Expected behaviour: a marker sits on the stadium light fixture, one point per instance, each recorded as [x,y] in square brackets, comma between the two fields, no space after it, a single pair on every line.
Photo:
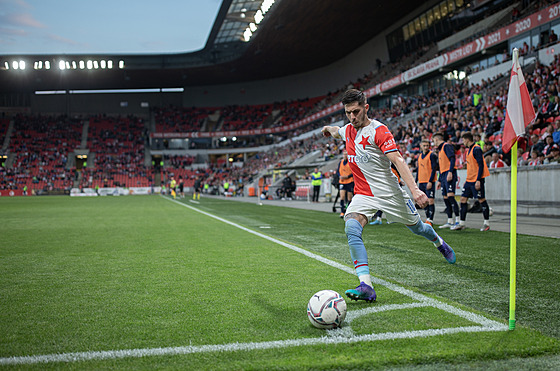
[103,64]
[110,64]
[67,65]
[61,65]
[258,16]
[247,34]
[121,64]
[266,4]
[47,65]
[74,65]
[82,65]
[252,27]
[6,65]
[95,64]
[89,65]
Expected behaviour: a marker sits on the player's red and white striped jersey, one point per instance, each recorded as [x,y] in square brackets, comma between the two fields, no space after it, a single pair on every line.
[366,154]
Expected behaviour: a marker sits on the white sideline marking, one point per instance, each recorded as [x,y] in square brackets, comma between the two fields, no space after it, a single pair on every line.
[234,347]
[331,337]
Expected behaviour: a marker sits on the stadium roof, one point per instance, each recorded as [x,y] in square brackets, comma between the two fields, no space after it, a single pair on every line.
[294,37]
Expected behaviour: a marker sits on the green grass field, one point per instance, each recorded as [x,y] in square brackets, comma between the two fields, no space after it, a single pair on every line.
[143,282]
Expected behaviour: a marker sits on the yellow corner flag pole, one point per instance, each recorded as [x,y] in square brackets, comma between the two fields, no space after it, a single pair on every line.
[513,237]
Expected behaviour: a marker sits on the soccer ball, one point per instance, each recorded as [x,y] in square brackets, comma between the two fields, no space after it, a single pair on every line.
[326,309]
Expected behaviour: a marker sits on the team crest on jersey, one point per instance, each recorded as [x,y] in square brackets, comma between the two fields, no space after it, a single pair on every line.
[365,141]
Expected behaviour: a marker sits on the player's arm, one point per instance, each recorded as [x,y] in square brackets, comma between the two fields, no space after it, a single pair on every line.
[450,153]
[331,131]
[477,153]
[406,175]
[435,167]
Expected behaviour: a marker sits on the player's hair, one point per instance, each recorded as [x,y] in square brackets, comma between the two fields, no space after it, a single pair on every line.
[425,141]
[467,135]
[439,135]
[354,95]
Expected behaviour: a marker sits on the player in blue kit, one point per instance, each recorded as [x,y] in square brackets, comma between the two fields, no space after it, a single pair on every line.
[448,179]
[426,177]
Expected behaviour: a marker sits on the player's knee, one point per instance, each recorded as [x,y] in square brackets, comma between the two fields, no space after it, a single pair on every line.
[353,228]
[419,228]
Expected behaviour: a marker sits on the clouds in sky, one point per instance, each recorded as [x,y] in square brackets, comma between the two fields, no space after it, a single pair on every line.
[105,26]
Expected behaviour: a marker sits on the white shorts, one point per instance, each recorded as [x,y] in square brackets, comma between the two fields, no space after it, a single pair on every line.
[399,208]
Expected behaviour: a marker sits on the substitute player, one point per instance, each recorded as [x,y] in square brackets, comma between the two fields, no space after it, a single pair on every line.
[448,179]
[371,149]
[346,183]
[477,170]
[426,177]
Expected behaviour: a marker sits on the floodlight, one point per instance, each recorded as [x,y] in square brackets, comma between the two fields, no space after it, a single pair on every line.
[121,64]
[95,65]
[247,34]
[61,65]
[89,65]
[21,65]
[7,65]
[67,65]
[47,65]
[266,4]
[82,65]
[258,16]
[109,64]
[252,26]
[15,65]
[234,139]
[74,65]
[103,64]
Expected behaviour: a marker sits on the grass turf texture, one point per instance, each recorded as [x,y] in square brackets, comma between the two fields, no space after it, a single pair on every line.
[88,274]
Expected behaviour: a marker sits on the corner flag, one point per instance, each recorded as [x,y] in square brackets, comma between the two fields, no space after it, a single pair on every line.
[519,114]
[519,109]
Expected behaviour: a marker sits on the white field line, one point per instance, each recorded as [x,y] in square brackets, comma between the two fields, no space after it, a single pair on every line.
[234,347]
[331,337]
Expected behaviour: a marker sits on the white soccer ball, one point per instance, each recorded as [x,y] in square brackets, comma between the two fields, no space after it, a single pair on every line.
[326,309]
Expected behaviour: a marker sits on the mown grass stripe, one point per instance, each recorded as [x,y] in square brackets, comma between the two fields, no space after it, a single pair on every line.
[401,290]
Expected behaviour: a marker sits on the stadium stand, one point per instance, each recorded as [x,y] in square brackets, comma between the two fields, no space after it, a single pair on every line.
[119,156]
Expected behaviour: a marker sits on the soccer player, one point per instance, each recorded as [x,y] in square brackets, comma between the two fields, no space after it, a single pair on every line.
[196,193]
[346,183]
[181,187]
[371,150]
[448,179]
[426,177]
[477,170]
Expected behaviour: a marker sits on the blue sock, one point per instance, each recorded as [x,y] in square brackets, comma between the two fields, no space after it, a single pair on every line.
[358,252]
[455,205]
[448,208]
[426,231]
